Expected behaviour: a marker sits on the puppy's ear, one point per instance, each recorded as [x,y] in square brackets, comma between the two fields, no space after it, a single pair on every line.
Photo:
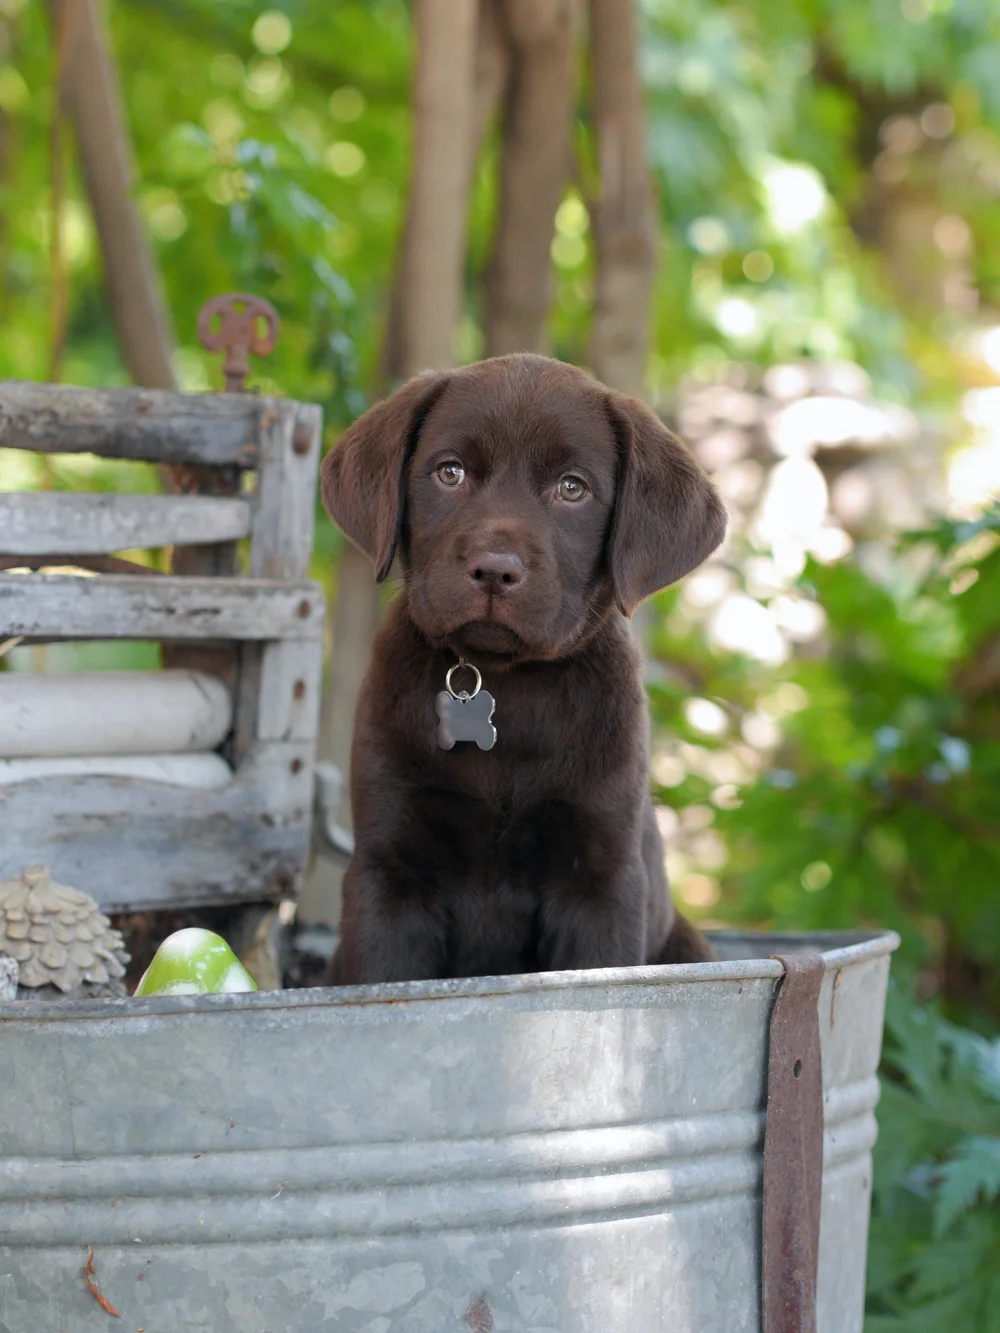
[363,479]
[668,517]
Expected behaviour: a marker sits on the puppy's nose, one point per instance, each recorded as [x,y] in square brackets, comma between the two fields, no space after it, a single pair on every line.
[493,571]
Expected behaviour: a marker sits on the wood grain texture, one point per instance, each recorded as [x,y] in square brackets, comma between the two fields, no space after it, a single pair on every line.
[151,424]
[285,499]
[197,770]
[291,674]
[60,523]
[135,845]
[124,606]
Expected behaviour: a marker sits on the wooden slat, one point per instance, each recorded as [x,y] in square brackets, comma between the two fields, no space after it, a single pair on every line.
[151,424]
[286,491]
[246,692]
[135,845]
[291,678]
[60,523]
[123,606]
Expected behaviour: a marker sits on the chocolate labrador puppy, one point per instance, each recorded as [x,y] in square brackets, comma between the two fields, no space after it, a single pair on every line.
[532,509]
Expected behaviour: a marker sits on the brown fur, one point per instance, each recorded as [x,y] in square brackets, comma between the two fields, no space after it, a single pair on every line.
[543,852]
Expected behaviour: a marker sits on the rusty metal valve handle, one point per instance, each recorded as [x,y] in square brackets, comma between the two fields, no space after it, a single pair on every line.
[239,332]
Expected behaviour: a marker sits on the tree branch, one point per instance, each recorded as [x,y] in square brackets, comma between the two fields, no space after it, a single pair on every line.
[491,71]
[434,244]
[535,165]
[93,96]
[624,219]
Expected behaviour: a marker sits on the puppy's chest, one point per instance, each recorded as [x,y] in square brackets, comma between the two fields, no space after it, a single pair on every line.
[507,848]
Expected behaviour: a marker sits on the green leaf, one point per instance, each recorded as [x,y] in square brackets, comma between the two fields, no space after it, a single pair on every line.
[973,1174]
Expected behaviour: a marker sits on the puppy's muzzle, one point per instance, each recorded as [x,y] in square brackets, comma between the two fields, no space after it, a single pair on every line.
[495,572]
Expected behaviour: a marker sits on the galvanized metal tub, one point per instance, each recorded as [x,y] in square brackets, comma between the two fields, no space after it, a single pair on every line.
[572,1152]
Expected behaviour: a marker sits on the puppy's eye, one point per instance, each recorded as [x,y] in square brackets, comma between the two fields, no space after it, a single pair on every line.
[451,473]
[572,489]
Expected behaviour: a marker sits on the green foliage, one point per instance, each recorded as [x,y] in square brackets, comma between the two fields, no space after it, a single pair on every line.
[881,796]
[935,1237]
[740,95]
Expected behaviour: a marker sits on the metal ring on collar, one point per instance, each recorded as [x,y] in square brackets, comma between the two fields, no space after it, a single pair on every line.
[463,694]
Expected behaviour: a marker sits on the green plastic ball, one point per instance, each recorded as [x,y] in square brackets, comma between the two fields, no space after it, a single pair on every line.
[195,962]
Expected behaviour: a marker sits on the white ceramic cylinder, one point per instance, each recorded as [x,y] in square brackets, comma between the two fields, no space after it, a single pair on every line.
[111,712]
[205,770]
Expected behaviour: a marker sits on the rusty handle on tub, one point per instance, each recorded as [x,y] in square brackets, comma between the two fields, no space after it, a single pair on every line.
[793,1151]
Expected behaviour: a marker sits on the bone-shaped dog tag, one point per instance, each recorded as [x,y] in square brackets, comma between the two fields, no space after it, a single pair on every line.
[463,716]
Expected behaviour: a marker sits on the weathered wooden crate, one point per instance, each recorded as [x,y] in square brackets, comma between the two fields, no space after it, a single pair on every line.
[136,844]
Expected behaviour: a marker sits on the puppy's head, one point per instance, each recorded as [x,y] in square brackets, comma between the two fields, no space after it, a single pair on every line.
[525,500]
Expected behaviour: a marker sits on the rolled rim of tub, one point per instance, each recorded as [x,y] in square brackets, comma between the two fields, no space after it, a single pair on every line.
[746,956]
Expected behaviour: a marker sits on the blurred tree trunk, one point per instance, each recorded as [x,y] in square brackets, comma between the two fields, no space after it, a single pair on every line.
[624,217]
[450,115]
[492,74]
[491,71]
[535,164]
[434,241]
[93,98]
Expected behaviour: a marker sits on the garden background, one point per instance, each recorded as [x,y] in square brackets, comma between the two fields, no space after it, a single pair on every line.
[778,220]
